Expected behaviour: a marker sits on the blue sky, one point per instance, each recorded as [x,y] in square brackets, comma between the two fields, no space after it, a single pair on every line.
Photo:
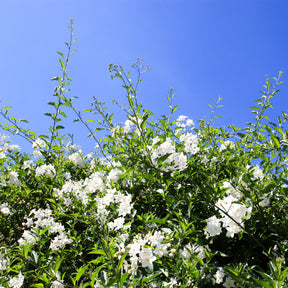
[202,49]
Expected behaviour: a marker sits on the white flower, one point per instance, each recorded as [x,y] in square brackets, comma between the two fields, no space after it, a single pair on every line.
[257,173]
[171,283]
[3,262]
[194,249]
[124,208]
[39,144]
[13,178]
[117,224]
[219,275]
[47,170]
[227,144]
[147,258]
[213,227]
[57,284]
[77,160]
[229,282]
[16,282]
[129,126]
[182,118]
[237,212]
[265,202]
[156,238]
[113,175]
[14,147]
[190,143]
[161,249]
[4,208]
[231,190]
[59,242]
[134,249]
[37,154]
[28,164]
[56,228]
[27,238]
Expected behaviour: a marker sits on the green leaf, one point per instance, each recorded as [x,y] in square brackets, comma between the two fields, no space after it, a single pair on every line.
[56,78]
[62,64]
[268,283]
[90,120]
[101,259]
[130,101]
[38,285]
[275,141]
[57,264]
[61,54]
[159,221]
[174,109]
[53,104]
[98,252]
[144,120]
[80,272]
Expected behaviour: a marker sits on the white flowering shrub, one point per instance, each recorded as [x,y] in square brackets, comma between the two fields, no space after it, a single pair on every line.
[158,203]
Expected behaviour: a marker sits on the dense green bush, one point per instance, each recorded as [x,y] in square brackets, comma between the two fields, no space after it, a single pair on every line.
[159,203]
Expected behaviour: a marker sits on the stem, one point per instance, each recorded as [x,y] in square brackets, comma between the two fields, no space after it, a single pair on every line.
[61,89]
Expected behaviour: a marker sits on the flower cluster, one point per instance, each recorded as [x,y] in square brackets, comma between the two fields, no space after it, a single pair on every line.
[77,160]
[43,219]
[3,262]
[16,282]
[13,179]
[45,170]
[124,207]
[4,208]
[233,216]
[174,161]
[142,255]
[195,249]
[190,143]
[183,122]
[38,145]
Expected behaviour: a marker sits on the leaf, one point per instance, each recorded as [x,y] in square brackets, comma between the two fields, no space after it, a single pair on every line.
[57,264]
[38,285]
[265,284]
[130,101]
[144,120]
[90,120]
[98,252]
[61,54]
[56,79]
[275,141]
[53,104]
[242,135]
[98,260]
[123,279]
[80,272]
[62,64]
[159,221]
[174,109]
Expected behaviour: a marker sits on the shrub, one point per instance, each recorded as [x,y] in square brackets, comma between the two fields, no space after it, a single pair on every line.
[159,203]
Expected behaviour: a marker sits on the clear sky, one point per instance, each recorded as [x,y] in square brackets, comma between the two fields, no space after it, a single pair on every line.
[202,48]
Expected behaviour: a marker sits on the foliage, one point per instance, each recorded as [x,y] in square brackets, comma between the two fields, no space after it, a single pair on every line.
[159,203]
